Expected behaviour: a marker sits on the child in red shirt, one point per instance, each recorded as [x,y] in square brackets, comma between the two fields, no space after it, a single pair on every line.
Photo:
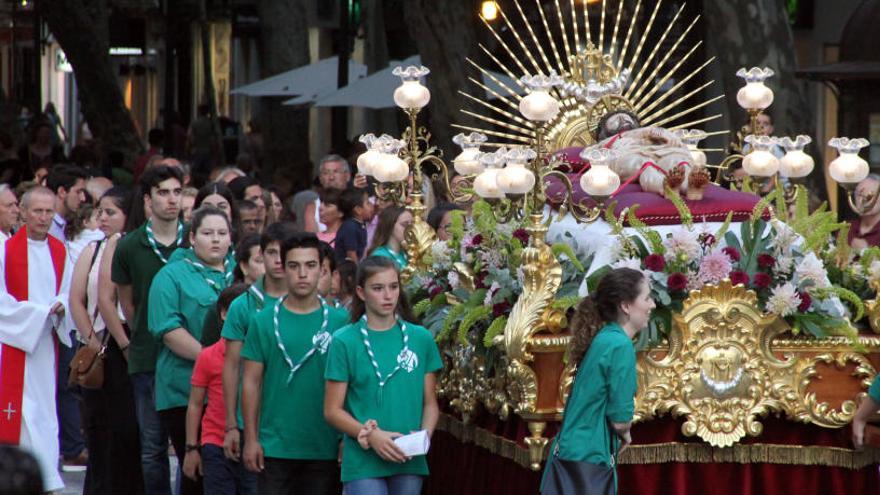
[221,475]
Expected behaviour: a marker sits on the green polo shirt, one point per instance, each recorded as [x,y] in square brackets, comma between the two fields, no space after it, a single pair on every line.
[292,424]
[874,391]
[180,297]
[603,392]
[399,406]
[386,252]
[135,264]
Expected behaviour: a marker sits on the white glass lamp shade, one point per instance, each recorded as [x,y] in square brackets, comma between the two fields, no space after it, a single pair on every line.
[539,105]
[760,161]
[390,168]
[515,178]
[600,181]
[486,184]
[366,162]
[755,95]
[849,167]
[468,161]
[411,94]
[691,138]
[795,164]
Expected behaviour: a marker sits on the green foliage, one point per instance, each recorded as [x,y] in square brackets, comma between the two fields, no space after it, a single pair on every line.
[687,218]
[719,234]
[474,315]
[456,228]
[760,206]
[611,219]
[495,329]
[652,236]
[484,219]
[449,322]
[420,307]
[565,303]
[561,248]
[844,295]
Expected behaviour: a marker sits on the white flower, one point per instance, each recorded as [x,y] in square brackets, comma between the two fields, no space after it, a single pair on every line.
[495,287]
[441,254]
[454,281]
[615,249]
[783,265]
[784,239]
[874,271]
[694,280]
[520,276]
[506,229]
[784,300]
[812,269]
[492,257]
[682,241]
[634,263]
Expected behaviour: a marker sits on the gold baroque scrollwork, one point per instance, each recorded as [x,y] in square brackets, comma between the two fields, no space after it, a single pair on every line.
[418,239]
[721,370]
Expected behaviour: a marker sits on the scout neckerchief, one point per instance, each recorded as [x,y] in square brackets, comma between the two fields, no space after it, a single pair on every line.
[406,359]
[151,238]
[320,342]
[228,276]
[255,291]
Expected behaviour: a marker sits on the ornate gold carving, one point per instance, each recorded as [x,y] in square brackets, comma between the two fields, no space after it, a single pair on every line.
[721,370]
[537,444]
[417,239]
[872,309]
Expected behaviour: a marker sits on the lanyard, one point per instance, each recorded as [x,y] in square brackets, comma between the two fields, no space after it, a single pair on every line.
[320,341]
[406,359]
[227,277]
[151,238]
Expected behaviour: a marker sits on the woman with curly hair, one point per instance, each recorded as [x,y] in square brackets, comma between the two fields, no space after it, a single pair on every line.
[600,407]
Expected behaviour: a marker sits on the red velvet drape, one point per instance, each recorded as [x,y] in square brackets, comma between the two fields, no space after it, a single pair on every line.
[458,468]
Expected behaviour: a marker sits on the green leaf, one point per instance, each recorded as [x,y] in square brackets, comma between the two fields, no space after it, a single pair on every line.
[449,322]
[495,329]
[724,226]
[684,213]
[565,303]
[561,248]
[758,210]
[421,307]
[476,314]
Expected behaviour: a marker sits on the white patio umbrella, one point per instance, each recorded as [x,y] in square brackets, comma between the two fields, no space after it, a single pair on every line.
[306,80]
[377,89]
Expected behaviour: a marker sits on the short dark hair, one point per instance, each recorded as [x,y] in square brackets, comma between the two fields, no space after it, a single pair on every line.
[246,204]
[21,471]
[64,175]
[600,129]
[301,240]
[206,211]
[243,254]
[435,216]
[331,197]
[276,232]
[153,176]
[350,199]
[329,254]
[156,137]
[228,295]
[239,185]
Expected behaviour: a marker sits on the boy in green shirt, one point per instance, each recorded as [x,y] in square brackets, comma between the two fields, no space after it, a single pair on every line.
[263,294]
[136,260]
[287,440]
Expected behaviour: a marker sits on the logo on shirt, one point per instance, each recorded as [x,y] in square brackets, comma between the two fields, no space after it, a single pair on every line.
[321,341]
[408,360]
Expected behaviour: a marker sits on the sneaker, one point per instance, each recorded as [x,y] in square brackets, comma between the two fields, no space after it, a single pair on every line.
[76,464]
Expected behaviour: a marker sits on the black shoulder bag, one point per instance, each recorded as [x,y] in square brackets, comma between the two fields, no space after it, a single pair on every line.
[565,477]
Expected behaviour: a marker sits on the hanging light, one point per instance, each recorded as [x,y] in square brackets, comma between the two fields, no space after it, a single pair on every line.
[468,161]
[600,181]
[411,94]
[761,162]
[795,164]
[515,179]
[848,168]
[539,105]
[755,95]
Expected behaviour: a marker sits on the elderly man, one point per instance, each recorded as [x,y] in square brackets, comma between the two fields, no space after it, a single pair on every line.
[8,212]
[33,295]
[865,230]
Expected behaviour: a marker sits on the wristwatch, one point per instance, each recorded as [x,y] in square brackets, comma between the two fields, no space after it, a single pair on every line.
[190,447]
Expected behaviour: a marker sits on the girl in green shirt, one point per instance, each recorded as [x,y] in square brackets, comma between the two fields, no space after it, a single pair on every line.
[381,384]
[182,295]
[388,239]
[601,404]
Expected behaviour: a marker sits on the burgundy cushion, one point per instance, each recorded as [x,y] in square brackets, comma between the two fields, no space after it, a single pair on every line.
[656,210]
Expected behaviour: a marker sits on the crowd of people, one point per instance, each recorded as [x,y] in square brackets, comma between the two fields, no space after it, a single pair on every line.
[266,339]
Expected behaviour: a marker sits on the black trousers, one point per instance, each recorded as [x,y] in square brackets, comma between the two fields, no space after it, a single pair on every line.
[174,422]
[295,477]
[111,429]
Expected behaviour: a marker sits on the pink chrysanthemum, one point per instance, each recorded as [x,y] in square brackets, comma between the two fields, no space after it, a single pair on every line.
[714,267]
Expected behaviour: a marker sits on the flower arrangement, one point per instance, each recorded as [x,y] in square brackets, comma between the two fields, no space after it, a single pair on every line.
[477,276]
[768,257]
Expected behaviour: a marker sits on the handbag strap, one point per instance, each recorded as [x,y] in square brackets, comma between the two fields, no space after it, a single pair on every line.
[91,266]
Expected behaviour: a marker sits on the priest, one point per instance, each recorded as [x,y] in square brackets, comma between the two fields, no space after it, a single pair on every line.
[33,296]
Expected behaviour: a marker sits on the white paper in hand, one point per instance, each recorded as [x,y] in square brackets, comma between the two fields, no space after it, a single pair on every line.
[414,444]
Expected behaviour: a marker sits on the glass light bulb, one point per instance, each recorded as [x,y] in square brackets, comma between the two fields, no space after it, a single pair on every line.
[539,106]
[796,164]
[760,163]
[755,95]
[367,161]
[468,162]
[515,178]
[486,184]
[849,167]
[600,181]
[411,94]
[390,168]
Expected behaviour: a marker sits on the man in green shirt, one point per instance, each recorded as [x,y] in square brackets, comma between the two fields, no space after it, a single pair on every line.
[260,295]
[285,351]
[138,257]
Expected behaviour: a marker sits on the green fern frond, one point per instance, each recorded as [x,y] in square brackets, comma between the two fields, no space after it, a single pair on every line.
[456,228]
[473,316]
[801,202]
[650,235]
[561,248]
[816,239]
[612,220]
[565,303]
[495,329]
[844,295]
[449,322]
[758,210]
[684,213]
[484,219]
[420,307]
[719,234]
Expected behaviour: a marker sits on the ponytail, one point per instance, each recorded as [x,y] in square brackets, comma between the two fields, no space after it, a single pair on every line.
[585,324]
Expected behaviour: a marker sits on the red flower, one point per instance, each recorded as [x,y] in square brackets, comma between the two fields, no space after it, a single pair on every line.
[731,253]
[655,262]
[501,309]
[707,239]
[677,281]
[761,280]
[739,277]
[806,302]
[766,260]
[435,291]
[522,235]
[477,240]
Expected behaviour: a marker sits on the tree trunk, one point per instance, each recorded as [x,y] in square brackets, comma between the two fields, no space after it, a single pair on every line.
[759,34]
[445,33]
[376,58]
[284,45]
[81,28]
[210,91]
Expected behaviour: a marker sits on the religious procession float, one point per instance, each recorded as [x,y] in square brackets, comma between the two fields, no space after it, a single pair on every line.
[764,335]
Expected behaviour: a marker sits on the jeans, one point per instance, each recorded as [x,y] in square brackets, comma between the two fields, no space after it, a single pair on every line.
[296,476]
[174,421]
[69,421]
[401,484]
[224,476]
[154,439]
